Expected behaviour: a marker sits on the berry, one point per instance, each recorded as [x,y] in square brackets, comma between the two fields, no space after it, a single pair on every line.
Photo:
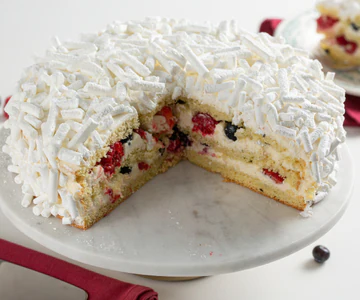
[349,47]
[143,166]
[112,160]
[125,170]
[178,140]
[274,176]
[341,40]
[174,146]
[141,132]
[321,254]
[326,22]
[355,27]
[166,112]
[125,140]
[230,131]
[113,198]
[162,150]
[184,139]
[6,102]
[204,123]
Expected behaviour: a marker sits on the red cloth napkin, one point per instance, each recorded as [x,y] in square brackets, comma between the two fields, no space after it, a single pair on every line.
[97,286]
[352,103]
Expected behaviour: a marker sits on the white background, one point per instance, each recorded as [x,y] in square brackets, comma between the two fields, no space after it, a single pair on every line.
[25,28]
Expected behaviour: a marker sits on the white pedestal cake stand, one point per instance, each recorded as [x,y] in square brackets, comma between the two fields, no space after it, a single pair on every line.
[184,223]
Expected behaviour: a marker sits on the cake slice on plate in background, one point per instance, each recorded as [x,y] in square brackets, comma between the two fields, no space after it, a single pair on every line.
[340,23]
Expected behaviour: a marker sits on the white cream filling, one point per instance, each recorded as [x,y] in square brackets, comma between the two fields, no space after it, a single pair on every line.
[252,170]
[159,124]
[292,150]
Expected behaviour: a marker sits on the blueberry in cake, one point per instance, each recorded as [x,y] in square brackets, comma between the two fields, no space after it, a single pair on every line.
[93,120]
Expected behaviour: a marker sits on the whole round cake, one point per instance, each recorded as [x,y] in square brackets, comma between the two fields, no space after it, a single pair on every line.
[340,23]
[93,120]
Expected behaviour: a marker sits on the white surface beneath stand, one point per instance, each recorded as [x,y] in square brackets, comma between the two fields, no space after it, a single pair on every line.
[186,222]
[29,24]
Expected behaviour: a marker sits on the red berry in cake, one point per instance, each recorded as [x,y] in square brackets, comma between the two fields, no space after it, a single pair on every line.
[204,123]
[274,176]
[6,102]
[112,160]
[178,141]
[143,166]
[341,40]
[174,146]
[163,121]
[321,254]
[349,47]
[141,132]
[326,22]
[167,113]
[113,198]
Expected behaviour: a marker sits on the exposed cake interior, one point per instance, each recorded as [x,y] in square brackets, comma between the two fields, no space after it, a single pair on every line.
[93,120]
[136,157]
[187,130]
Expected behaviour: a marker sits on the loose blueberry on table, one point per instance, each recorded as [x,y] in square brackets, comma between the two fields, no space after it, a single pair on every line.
[321,254]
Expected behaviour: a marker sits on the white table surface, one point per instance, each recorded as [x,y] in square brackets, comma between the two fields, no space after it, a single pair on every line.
[25,28]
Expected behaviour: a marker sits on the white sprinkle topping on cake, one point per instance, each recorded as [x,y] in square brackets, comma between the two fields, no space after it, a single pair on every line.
[74,101]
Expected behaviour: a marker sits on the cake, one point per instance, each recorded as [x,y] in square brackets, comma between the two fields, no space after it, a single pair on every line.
[339,22]
[94,120]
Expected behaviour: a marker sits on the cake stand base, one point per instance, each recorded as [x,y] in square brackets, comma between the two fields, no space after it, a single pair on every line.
[179,227]
[169,278]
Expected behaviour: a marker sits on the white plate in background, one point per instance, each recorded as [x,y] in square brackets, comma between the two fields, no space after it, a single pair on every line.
[301,32]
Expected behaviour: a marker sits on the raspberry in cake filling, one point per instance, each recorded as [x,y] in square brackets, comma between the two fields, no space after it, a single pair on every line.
[325,23]
[349,47]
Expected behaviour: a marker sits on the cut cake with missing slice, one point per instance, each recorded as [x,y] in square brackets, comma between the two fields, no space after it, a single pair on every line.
[94,120]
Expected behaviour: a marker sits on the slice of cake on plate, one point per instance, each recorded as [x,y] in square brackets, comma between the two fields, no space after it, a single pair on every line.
[93,120]
[339,21]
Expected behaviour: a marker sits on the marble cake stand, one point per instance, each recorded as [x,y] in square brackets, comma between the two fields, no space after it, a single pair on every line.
[184,223]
